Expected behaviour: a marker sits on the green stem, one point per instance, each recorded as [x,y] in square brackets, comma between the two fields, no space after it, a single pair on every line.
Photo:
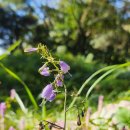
[65,107]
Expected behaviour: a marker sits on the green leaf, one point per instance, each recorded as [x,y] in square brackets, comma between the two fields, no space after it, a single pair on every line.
[110,70]
[88,80]
[104,75]
[123,116]
[22,82]
[23,108]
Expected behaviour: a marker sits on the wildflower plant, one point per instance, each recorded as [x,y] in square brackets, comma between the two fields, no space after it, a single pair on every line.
[58,69]
[54,67]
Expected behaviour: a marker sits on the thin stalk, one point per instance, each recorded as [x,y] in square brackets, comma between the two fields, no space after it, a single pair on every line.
[53,124]
[65,107]
[87,81]
[110,68]
[98,80]
[103,76]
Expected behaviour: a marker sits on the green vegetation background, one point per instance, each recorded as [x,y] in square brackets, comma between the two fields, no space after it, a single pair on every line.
[88,35]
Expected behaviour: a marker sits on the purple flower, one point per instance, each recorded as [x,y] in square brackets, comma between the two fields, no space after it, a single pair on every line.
[48,93]
[59,83]
[2,109]
[64,67]
[11,128]
[52,97]
[45,71]
[31,50]
[59,80]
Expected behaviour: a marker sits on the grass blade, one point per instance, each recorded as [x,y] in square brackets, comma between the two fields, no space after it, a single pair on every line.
[110,70]
[23,108]
[103,76]
[22,82]
[87,81]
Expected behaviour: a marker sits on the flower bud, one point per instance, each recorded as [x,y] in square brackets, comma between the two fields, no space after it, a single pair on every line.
[78,120]
[82,113]
[59,80]
[30,49]
[64,67]
[45,71]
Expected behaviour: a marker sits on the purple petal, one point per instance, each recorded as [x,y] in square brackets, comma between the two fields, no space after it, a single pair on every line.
[47,91]
[45,71]
[59,80]
[31,50]
[64,66]
[2,108]
[59,83]
[52,97]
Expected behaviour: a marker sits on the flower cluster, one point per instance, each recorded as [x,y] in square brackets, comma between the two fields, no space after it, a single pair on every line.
[48,92]
[58,69]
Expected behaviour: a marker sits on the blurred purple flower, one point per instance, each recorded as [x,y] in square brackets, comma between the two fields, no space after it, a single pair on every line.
[64,67]
[12,93]
[45,71]
[59,80]
[11,128]
[48,93]
[31,50]
[2,109]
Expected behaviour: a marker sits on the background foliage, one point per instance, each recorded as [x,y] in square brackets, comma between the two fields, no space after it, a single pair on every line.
[87,34]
